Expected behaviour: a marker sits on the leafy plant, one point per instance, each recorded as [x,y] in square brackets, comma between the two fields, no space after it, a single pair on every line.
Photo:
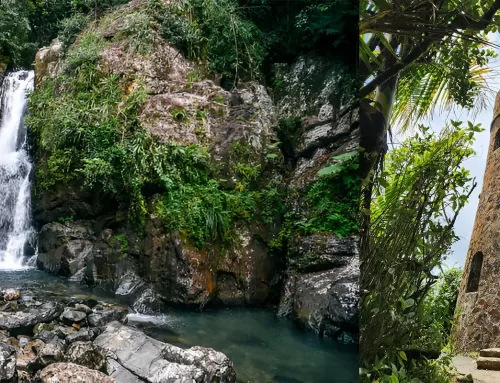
[138,29]
[71,27]
[417,198]
[213,32]
[179,114]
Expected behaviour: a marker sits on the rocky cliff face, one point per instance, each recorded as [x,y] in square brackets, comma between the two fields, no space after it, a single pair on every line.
[84,234]
[321,290]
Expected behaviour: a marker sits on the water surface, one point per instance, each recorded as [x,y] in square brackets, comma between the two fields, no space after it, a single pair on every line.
[263,348]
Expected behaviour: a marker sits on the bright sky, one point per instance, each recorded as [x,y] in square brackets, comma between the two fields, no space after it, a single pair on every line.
[476,165]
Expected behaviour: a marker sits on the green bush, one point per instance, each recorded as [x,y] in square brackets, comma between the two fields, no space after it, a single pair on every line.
[441,301]
[138,29]
[71,27]
[84,56]
[212,31]
[87,129]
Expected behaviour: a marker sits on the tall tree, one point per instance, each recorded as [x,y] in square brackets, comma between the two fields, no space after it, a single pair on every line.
[414,55]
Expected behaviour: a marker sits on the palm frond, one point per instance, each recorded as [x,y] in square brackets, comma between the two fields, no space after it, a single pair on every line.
[423,88]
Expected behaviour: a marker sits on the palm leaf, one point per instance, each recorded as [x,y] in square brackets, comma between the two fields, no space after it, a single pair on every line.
[423,88]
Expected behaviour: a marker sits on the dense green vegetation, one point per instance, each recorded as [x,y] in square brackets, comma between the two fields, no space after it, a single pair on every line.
[87,130]
[415,59]
[406,320]
[26,25]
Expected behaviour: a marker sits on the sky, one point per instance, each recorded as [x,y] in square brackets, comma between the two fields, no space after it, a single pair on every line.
[476,164]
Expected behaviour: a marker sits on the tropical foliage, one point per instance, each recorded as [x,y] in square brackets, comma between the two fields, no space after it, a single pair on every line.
[416,201]
[437,50]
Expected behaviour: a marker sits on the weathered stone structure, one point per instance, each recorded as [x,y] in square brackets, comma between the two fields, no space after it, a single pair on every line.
[478,305]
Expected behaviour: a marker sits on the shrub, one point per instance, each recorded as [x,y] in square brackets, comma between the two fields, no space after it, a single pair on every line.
[213,31]
[71,27]
[138,28]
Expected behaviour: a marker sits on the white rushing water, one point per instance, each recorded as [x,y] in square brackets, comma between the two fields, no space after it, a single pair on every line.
[15,168]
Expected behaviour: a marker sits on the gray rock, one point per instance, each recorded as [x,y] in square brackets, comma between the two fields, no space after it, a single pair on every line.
[48,354]
[83,308]
[157,362]
[64,248]
[72,373]
[63,331]
[47,336]
[100,318]
[319,252]
[120,373]
[27,319]
[130,283]
[85,334]
[7,362]
[326,302]
[86,354]
[71,316]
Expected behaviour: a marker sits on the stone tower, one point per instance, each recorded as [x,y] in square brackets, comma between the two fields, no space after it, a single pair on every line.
[478,305]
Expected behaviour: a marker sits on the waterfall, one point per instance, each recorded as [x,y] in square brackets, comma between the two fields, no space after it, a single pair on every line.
[15,167]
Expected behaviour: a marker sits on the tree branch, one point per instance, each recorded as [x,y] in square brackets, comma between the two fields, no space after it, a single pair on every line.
[460,22]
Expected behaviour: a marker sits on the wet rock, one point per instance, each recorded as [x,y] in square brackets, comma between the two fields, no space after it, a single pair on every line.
[71,316]
[86,354]
[326,302]
[83,335]
[72,373]
[11,295]
[155,361]
[7,362]
[22,322]
[83,308]
[322,252]
[48,354]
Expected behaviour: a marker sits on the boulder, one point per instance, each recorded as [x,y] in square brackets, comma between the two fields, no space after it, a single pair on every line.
[65,248]
[71,316]
[7,362]
[85,334]
[72,373]
[326,302]
[24,321]
[47,354]
[102,315]
[86,354]
[154,361]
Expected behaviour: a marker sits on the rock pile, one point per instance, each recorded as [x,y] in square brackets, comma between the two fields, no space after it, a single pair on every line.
[83,340]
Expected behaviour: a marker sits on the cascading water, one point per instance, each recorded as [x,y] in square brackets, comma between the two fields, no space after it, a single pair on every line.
[15,168]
